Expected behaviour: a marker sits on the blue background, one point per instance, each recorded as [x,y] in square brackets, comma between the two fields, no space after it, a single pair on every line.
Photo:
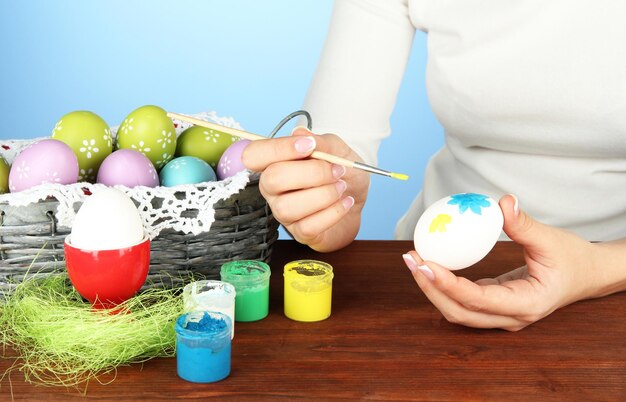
[252,60]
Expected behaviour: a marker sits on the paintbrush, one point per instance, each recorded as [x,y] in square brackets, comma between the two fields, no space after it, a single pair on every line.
[316,154]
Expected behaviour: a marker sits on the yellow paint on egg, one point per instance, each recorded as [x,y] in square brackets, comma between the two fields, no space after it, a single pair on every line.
[308,290]
[439,223]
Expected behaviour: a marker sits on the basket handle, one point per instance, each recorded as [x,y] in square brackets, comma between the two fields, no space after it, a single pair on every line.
[309,123]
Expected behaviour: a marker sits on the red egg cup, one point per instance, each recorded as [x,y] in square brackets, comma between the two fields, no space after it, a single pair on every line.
[108,277]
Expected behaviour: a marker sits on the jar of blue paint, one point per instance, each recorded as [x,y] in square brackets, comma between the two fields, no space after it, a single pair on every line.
[203,346]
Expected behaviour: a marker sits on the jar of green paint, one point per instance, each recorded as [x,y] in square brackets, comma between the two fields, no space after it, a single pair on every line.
[251,280]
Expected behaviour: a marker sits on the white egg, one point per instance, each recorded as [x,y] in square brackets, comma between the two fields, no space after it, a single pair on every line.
[459,230]
[107,220]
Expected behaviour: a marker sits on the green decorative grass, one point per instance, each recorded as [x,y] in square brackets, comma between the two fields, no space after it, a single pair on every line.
[61,341]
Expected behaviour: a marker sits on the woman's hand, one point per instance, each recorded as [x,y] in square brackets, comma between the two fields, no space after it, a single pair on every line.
[560,269]
[319,203]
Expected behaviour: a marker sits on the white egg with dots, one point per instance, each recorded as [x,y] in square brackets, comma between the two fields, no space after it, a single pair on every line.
[458,231]
[107,220]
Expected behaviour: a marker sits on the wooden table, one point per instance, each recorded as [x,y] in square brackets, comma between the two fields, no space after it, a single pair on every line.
[384,340]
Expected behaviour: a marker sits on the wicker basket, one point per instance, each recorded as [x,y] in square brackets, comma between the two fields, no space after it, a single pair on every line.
[31,242]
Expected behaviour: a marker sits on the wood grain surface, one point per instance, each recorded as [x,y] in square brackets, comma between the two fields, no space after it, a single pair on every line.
[385,341]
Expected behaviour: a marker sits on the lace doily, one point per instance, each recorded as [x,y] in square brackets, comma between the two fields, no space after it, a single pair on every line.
[167,214]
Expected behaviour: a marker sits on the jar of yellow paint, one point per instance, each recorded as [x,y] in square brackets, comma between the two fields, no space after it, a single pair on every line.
[308,290]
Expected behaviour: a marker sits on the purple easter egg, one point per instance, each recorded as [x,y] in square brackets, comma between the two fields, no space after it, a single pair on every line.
[45,161]
[230,163]
[129,168]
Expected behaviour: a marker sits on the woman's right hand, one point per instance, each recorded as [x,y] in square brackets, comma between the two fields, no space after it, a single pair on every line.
[318,202]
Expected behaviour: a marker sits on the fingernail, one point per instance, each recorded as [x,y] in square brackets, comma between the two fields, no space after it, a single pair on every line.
[299,127]
[516,205]
[427,272]
[305,144]
[338,171]
[410,262]
[341,186]
[347,202]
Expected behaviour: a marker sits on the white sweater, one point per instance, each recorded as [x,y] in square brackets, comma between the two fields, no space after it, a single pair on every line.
[531,95]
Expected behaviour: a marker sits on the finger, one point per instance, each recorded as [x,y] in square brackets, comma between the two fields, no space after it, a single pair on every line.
[455,312]
[329,143]
[310,228]
[458,314]
[288,176]
[296,205]
[259,154]
[522,228]
[513,298]
[300,131]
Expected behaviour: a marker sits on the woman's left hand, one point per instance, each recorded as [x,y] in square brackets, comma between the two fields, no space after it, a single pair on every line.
[559,270]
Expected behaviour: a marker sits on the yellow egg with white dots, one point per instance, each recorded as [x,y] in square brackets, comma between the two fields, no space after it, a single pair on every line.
[89,136]
[458,231]
[4,175]
[148,130]
[204,143]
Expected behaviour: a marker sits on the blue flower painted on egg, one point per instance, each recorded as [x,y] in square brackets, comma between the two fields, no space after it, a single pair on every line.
[471,201]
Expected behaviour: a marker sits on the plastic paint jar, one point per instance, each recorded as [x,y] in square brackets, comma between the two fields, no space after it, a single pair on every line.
[208,295]
[251,280]
[203,346]
[308,290]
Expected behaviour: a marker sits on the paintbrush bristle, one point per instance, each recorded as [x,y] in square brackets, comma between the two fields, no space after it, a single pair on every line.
[399,176]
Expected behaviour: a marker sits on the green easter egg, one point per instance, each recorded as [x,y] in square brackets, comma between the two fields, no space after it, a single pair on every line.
[89,137]
[149,131]
[4,176]
[204,143]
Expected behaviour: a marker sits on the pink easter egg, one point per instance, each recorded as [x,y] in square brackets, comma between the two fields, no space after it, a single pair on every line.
[129,168]
[230,163]
[45,161]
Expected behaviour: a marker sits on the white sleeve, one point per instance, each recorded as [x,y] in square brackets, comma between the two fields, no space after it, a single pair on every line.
[356,83]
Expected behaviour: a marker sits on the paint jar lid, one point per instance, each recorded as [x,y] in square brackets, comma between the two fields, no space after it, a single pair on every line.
[208,293]
[245,272]
[308,270]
